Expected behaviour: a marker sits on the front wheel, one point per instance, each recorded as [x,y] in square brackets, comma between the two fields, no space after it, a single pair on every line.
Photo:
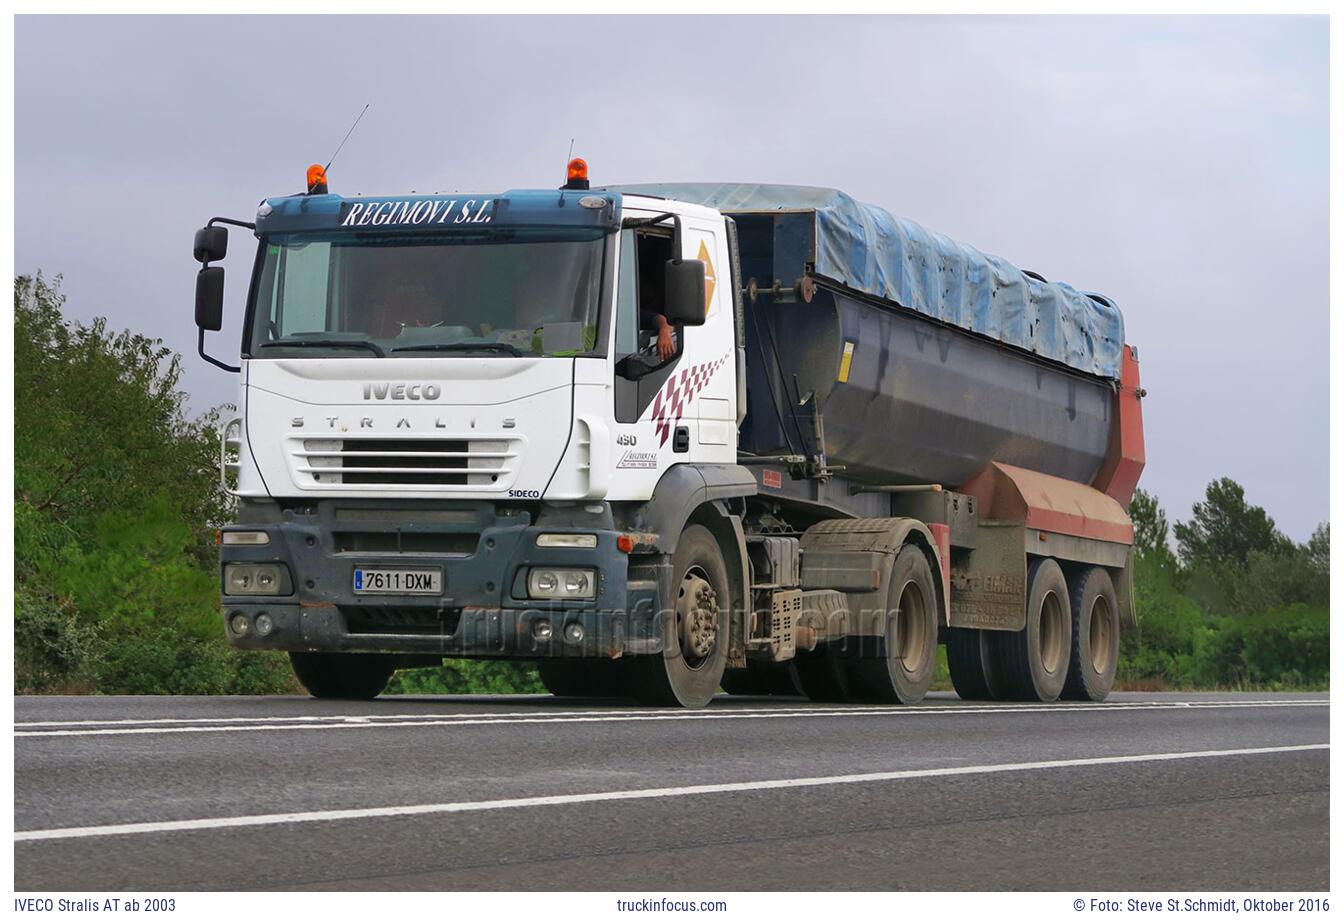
[695,629]
[343,676]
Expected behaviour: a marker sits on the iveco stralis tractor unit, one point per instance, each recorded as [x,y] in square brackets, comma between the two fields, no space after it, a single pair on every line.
[664,439]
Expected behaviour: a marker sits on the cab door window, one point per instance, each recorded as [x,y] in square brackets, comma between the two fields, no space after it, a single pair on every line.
[647,348]
[641,326]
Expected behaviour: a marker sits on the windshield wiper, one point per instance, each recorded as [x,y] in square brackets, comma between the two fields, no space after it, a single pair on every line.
[463,346]
[325,343]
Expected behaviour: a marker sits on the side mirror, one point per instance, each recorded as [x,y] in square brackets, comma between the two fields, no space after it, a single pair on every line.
[210,299]
[684,292]
[211,243]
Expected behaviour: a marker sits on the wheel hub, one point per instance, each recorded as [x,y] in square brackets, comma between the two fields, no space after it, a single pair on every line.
[698,616]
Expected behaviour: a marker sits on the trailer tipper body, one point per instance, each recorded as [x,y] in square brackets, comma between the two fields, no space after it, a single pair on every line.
[667,438]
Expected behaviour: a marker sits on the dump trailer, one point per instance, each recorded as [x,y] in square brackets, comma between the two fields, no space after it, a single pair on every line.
[664,439]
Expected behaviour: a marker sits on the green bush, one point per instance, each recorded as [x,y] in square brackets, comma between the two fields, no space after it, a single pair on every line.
[53,651]
[165,661]
[1180,645]
[458,676]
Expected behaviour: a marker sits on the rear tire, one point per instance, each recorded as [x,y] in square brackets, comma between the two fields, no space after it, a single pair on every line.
[1033,663]
[761,678]
[583,677]
[968,662]
[823,674]
[343,676]
[784,680]
[753,680]
[1096,636]
[695,630]
[897,666]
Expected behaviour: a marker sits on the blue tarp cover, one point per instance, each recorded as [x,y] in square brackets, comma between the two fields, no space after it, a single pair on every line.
[868,249]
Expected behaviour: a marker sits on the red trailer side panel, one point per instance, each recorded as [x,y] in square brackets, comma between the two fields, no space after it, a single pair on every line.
[1048,503]
[1119,475]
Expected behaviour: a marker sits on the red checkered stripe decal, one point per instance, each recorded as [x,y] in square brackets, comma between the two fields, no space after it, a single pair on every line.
[675,397]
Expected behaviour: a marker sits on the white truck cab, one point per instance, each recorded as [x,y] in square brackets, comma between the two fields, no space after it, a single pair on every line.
[452,409]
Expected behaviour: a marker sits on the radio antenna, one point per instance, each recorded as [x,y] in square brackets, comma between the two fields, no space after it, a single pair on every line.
[347,136]
[571,150]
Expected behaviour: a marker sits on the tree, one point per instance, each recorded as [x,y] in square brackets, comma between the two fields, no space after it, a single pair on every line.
[101,424]
[1150,528]
[116,495]
[1318,548]
[1224,529]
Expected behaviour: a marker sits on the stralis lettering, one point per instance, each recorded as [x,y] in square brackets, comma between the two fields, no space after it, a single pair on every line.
[401,391]
[418,213]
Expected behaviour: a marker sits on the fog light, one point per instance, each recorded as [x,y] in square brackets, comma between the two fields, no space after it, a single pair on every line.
[574,632]
[255,578]
[562,584]
[541,629]
[239,624]
[265,625]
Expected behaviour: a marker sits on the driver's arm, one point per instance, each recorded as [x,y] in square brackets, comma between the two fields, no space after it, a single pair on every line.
[655,321]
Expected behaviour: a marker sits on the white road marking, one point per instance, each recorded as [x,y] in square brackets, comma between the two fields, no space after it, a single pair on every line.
[782,707]
[437,720]
[350,814]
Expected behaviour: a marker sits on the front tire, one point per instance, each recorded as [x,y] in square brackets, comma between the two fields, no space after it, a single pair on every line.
[343,676]
[1096,636]
[695,629]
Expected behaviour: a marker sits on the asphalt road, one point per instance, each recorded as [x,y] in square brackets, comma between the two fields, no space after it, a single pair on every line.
[1200,792]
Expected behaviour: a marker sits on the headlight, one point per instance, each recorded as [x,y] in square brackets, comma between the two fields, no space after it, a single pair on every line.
[562,583]
[577,540]
[256,578]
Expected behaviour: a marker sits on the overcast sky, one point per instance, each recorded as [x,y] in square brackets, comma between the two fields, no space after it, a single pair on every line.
[1178,165]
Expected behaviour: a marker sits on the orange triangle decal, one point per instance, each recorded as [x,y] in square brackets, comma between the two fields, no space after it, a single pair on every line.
[703,256]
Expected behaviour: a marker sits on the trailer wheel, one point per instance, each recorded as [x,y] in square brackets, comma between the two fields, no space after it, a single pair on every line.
[969,662]
[695,630]
[1096,636]
[897,666]
[343,676]
[1033,663]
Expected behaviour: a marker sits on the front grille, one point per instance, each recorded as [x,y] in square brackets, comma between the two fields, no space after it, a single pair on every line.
[417,621]
[451,544]
[423,463]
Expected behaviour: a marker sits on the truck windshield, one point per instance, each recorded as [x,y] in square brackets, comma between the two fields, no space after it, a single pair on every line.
[503,292]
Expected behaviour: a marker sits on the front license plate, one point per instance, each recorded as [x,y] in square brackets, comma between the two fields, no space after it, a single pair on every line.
[398,581]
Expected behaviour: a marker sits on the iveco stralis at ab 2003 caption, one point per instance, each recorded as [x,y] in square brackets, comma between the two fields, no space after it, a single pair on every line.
[667,438]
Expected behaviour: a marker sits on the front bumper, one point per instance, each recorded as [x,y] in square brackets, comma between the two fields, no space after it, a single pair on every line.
[483,550]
